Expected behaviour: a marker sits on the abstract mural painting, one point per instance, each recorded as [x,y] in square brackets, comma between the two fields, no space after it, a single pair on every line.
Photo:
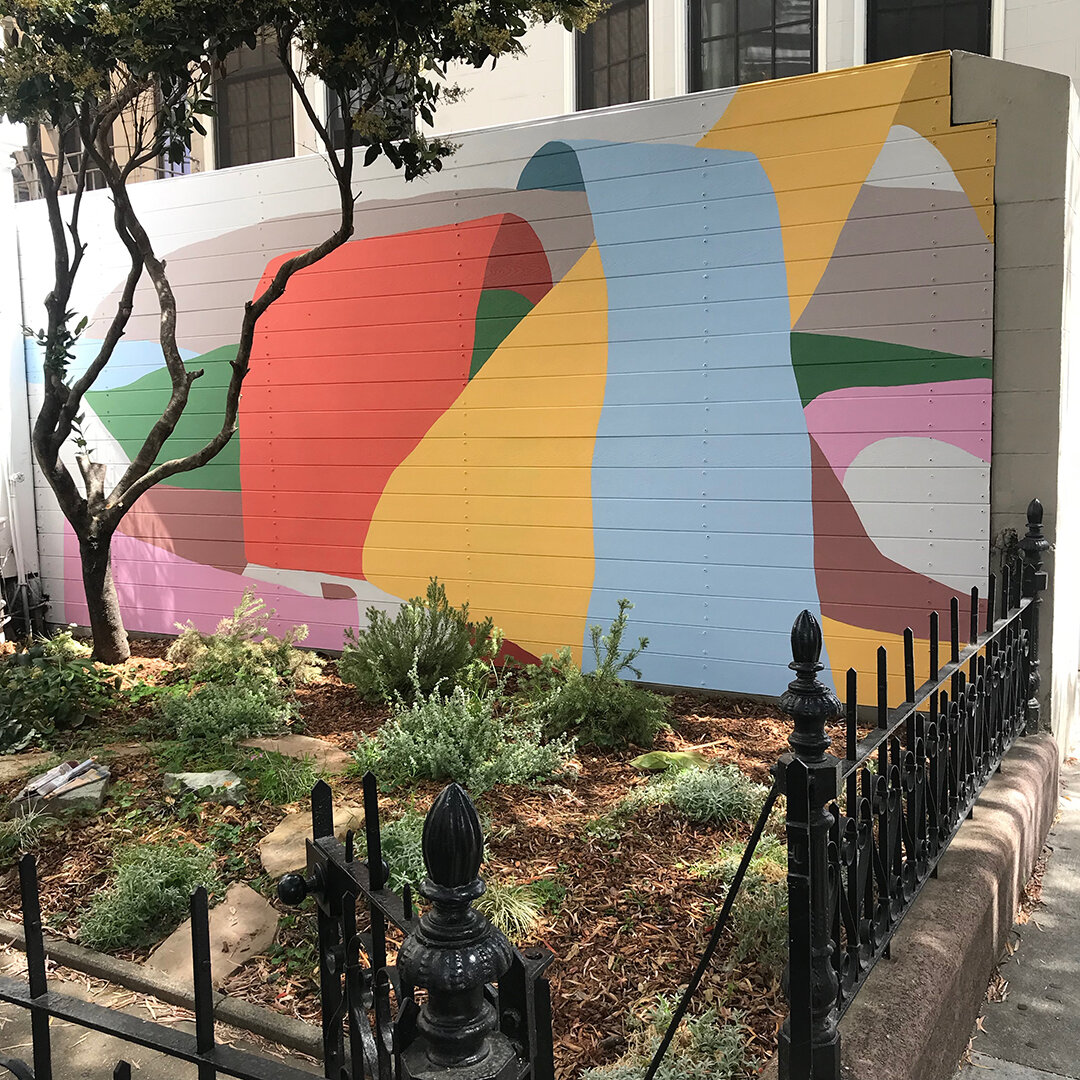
[728,355]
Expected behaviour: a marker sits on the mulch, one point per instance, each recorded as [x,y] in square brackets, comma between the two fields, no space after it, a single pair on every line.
[634,919]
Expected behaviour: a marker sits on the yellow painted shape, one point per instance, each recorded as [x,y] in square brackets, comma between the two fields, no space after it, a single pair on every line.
[521,433]
[818,136]
[856,647]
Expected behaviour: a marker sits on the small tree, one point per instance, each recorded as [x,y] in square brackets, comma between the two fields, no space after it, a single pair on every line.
[84,66]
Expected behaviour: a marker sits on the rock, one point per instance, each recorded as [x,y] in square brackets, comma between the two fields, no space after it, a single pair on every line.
[284,850]
[241,926]
[16,766]
[88,797]
[327,757]
[224,786]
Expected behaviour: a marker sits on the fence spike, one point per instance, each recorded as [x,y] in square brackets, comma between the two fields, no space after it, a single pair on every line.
[852,714]
[882,687]
[35,965]
[1006,589]
[909,664]
[991,600]
[122,1071]
[954,628]
[202,980]
[935,662]
[973,635]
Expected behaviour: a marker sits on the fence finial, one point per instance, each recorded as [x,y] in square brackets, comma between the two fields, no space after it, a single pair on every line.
[453,954]
[807,700]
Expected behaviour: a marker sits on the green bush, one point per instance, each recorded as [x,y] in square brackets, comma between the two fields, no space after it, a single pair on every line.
[464,737]
[598,706]
[206,725]
[148,897]
[66,646]
[710,1046]
[402,850]
[241,648]
[427,643]
[718,795]
[42,693]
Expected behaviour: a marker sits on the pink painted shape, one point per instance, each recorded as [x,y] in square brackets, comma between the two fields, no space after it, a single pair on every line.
[158,589]
[960,415]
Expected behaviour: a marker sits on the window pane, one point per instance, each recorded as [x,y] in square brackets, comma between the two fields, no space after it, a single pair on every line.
[718,64]
[612,56]
[717,17]
[619,83]
[619,37]
[755,14]
[639,30]
[909,27]
[639,78]
[599,34]
[793,50]
[755,56]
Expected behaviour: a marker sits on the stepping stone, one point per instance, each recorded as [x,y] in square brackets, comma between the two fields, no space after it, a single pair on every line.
[285,850]
[243,925]
[224,786]
[16,766]
[326,756]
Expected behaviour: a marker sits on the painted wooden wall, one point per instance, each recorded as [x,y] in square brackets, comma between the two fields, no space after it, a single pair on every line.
[728,355]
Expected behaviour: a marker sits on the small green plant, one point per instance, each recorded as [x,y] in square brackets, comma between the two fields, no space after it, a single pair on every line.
[551,893]
[23,832]
[206,724]
[515,909]
[148,897]
[280,779]
[402,850]
[427,644]
[598,706]
[709,1046]
[42,693]
[718,795]
[66,646]
[759,923]
[464,737]
[243,649]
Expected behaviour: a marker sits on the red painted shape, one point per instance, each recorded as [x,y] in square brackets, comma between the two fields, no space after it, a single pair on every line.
[349,371]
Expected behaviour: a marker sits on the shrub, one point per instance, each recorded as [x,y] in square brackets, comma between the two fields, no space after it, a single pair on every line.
[597,706]
[41,694]
[463,737]
[23,832]
[280,779]
[515,909]
[426,644]
[717,795]
[710,1046]
[66,646]
[242,648]
[402,850]
[208,722]
[148,897]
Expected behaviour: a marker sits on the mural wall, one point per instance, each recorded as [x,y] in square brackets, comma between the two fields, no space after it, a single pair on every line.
[728,355]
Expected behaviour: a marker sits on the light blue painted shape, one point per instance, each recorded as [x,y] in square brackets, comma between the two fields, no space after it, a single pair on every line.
[130,360]
[701,501]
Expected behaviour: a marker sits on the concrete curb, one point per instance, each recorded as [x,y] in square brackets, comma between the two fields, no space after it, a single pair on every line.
[914,1014]
[285,1031]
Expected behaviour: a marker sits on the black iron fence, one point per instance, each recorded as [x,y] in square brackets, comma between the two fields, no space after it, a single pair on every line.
[445,995]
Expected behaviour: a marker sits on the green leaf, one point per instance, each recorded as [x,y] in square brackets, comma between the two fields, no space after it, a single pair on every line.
[657,760]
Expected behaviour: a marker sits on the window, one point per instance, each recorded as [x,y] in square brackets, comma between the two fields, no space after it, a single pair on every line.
[613,56]
[254,100]
[743,41]
[394,108]
[909,27]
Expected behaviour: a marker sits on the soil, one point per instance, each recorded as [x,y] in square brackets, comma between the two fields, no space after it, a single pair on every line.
[630,927]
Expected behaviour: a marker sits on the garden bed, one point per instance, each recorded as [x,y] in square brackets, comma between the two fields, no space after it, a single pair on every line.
[628,897]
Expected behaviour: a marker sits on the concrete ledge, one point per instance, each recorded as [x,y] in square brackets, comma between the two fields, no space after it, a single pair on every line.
[915,1013]
[285,1031]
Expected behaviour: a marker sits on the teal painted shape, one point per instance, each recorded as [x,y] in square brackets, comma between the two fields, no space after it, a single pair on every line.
[554,167]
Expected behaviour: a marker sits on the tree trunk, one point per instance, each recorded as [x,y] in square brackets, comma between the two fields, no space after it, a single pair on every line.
[110,638]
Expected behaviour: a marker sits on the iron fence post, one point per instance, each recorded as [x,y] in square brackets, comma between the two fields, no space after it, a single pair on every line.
[1032,548]
[809,1040]
[453,954]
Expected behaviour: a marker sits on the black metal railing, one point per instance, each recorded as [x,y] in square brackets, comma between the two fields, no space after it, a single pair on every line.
[866,830]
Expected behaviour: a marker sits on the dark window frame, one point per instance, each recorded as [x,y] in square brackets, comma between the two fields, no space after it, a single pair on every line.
[267,72]
[695,41]
[982,28]
[583,87]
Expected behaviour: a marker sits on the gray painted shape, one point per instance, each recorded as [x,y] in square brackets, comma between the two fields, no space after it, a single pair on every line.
[890,243]
[213,279]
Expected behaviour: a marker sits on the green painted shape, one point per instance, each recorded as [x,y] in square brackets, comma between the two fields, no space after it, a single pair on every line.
[497,313]
[825,362]
[129,412]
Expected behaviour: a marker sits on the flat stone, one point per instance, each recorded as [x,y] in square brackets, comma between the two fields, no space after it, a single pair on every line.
[16,766]
[243,925]
[326,756]
[285,850]
[87,797]
[221,786]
